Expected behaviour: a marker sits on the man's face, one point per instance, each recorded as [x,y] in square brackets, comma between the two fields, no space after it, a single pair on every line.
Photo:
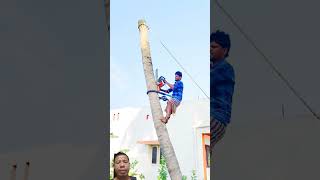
[216,51]
[177,77]
[121,165]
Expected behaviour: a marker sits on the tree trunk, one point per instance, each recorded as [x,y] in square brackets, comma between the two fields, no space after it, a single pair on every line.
[161,130]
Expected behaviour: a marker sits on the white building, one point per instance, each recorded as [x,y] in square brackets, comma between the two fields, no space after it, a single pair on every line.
[189,130]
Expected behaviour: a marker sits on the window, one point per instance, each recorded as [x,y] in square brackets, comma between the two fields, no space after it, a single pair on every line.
[154,155]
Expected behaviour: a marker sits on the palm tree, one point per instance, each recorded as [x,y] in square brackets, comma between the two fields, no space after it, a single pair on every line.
[161,130]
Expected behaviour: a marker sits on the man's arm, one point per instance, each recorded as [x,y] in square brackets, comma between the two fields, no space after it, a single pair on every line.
[170,85]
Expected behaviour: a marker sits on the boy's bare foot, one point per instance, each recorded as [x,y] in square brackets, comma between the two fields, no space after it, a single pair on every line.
[165,119]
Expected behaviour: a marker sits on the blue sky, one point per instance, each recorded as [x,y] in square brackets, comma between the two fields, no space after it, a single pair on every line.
[183,28]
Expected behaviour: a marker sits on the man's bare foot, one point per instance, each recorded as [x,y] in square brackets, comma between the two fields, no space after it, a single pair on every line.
[165,119]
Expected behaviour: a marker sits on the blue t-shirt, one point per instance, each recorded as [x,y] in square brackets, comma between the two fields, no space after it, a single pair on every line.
[222,81]
[177,90]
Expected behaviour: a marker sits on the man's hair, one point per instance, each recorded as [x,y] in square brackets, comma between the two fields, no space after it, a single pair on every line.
[221,38]
[114,161]
[178,73]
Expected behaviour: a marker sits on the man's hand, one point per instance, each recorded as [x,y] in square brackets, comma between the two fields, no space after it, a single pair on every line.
[165,81]
[161,78]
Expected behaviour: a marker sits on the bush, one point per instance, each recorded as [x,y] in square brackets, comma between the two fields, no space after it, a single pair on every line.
[163,172]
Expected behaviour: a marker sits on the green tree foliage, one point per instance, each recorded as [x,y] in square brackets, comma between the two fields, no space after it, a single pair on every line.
[163,172]
[193,176]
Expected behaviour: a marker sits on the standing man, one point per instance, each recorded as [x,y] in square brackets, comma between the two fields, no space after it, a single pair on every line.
[222,82]
[177,91]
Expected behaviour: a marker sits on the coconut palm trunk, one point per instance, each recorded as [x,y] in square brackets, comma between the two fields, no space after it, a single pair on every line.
[156,110]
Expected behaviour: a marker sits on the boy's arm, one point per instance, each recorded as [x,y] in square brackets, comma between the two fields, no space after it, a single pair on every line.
[170,85]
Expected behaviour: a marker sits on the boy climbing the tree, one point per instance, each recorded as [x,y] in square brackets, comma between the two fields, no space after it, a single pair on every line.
[177,91]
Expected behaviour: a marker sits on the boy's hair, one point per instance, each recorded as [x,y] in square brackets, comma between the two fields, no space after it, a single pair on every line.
[222,38]
[178,73]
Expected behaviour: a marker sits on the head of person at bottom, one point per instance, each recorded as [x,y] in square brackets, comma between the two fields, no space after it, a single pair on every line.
[121,165]
[219,46]
[178,76]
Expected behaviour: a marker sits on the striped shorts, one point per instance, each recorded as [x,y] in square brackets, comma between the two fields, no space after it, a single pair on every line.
[217,131]
[175,103]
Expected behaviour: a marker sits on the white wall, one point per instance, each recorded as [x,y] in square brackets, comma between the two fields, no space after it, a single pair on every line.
[182,128]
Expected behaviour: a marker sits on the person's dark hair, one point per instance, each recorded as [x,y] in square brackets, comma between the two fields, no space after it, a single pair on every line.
[114,159]
[222,38]
[178,73]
